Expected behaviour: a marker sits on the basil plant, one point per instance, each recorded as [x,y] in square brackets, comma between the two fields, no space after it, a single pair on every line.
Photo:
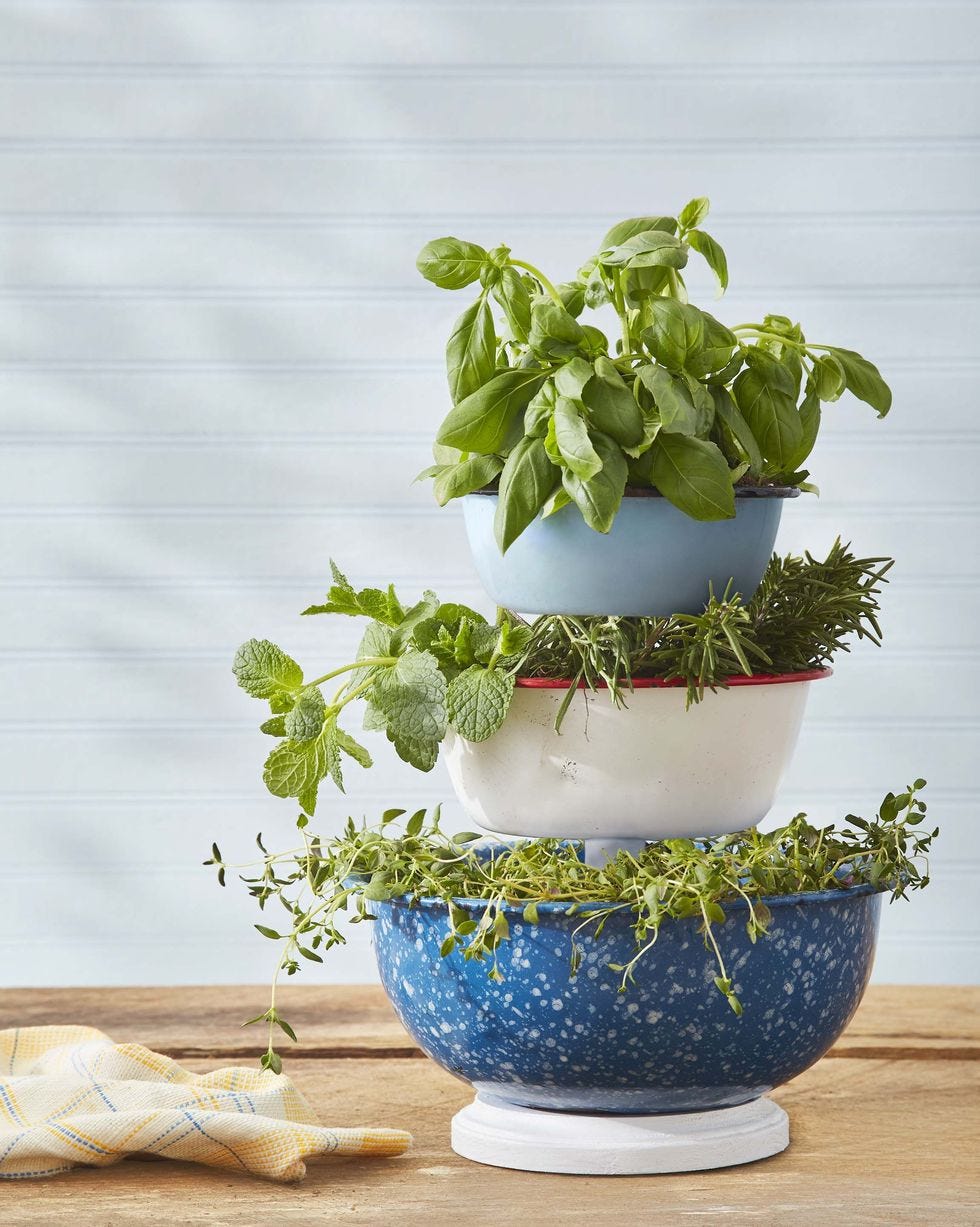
[549,412]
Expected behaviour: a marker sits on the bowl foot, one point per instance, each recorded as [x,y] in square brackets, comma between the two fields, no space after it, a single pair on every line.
[501,1134]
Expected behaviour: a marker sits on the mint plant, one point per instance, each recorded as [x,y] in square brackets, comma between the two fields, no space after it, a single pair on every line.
[425,668]
[546,410]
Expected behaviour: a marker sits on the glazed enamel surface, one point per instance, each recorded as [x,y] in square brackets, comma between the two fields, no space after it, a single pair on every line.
[655,560]
[668,1044]
[649,770]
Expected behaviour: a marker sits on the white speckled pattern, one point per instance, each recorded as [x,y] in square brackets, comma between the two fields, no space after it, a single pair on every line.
[670,1042]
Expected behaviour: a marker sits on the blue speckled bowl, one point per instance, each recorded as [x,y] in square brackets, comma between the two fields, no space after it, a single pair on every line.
[670,1043]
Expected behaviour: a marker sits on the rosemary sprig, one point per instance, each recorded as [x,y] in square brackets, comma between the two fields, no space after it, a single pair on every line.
[323,884]
[802,614]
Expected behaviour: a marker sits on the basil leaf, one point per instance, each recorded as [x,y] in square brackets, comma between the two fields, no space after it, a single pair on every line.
[649,249]
[636,225]
[571,378]
[810,420]
[538,413]
[471,350]
[828,377]
[526,482]
[728,414]
[554,333]
[596,289]
[478,700]
[765,393]
[599,497]
[716,259]
[863,379]
[715,352]
[685,406]
[572,295]
[694,212]
[450,263]
[674,331]
[572,438]
[511,292]
[694,476]
[483,421]
[612,406]
[465,477]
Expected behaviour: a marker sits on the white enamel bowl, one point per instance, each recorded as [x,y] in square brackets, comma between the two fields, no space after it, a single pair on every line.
[651,770]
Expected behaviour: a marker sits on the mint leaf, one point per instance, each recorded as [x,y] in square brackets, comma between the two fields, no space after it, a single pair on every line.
[419,612]
[412,696]
[419,752]
[477,702]
[305,720]
[263,670]
[276,727]
[369,602]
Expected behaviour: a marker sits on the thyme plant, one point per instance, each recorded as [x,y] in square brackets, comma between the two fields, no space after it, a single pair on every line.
[320,883]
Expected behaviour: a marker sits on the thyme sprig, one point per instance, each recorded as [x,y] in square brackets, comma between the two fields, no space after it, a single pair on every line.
[323,884]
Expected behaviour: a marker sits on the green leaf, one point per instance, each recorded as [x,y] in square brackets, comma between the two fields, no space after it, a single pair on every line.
[694,476]
[674,331]
[262,669]
[599,497]
[648,249]
[383,606]
[465,477]
[420,612]
[305,720]
[716,259]
[412,696]
[554,332]
[728,413]
[686,406]
[572,438]
[694,212]
[715,351]
[828,377]
[636,225]
[295,769]
[477,701]
[450,263]
[511,292]
[484,420]
[572,376]
[765,394]
[572,295]
[471,350]
[276,727]
[863,379]
[538,413]
[422,753]
[810,420]
[527,480]
[611,405]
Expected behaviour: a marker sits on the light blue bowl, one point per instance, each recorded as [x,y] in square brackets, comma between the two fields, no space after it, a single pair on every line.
[654,561]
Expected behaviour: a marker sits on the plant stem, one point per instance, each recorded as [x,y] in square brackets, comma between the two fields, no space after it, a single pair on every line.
[357,664]
[536,272]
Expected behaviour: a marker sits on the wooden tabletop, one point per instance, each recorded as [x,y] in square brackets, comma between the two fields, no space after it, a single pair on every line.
[884,1130]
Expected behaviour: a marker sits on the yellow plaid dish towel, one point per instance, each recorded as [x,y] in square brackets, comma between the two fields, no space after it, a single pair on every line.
[69,1096]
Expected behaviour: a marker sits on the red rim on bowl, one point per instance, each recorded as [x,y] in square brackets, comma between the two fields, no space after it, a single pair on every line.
[659,683]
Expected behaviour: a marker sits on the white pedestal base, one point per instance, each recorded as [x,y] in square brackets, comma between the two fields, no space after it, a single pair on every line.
[500,1134]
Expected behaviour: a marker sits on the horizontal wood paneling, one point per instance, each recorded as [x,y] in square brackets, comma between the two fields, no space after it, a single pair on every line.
[696,35]
[218,367]
[591,103]
[844,176]
[262,257]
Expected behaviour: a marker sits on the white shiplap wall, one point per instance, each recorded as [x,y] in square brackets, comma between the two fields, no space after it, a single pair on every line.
[218,367]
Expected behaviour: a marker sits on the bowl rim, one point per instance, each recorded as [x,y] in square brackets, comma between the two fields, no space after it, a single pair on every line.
[661,683]
[650,492]
[554,908]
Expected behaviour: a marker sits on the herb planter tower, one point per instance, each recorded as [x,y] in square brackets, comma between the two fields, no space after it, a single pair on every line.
[626,966]
[564,434]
